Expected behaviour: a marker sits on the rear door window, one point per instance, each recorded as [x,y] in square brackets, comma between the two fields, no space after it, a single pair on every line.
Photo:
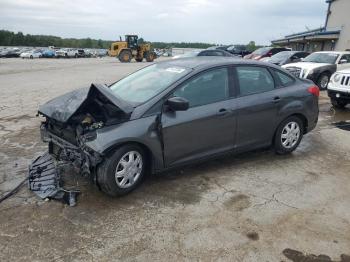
[254,79]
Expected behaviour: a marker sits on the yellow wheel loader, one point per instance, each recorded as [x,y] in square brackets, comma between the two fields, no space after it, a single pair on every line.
[130,48]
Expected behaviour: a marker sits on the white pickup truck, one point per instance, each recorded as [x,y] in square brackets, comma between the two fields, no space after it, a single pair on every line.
[67,52]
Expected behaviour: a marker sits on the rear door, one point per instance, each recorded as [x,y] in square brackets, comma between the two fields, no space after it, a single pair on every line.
[257,106]
[208,126]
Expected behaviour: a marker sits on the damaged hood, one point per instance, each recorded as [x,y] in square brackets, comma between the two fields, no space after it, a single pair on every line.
[63,107]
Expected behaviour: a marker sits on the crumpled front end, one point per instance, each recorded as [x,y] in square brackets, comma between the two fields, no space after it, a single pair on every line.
[71,121]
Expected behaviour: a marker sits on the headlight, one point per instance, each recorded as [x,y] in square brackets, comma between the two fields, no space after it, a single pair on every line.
[336,78]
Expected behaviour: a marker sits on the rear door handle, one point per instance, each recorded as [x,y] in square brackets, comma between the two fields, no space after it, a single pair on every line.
[222,112]
[276,99]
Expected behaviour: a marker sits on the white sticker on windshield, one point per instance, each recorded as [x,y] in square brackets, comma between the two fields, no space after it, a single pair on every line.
[175,70]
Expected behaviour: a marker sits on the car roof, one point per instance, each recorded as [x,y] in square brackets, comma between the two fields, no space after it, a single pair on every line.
[334,52]
[203,62]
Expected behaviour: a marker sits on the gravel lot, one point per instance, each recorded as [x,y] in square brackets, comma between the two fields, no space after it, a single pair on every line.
[253,207]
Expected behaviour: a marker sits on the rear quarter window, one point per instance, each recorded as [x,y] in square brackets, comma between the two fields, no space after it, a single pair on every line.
[283,78]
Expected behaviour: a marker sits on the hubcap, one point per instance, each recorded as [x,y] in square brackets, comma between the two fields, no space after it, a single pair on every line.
[290,135]
[324,82]
[129,169]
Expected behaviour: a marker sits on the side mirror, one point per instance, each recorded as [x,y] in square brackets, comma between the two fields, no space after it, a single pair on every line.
[177,103]
[343,61]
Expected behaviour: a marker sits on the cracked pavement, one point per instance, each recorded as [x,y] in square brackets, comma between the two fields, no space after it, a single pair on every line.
[249,207]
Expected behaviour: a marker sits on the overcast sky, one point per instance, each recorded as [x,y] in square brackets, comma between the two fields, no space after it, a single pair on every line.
[211,21]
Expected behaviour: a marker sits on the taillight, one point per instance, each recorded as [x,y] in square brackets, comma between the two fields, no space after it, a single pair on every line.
[314,90]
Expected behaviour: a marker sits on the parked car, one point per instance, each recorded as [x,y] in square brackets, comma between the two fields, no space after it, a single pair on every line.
[339,88]
[286,57]
[177,112]
[207,52]
[67,52]
[320,66]
[265,52]
[48,53]
[238,50]
[81,53]
[31,54]
[8,53]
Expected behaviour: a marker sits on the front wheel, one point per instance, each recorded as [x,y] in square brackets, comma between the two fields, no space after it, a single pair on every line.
[338,103]
[122,171]
[288,135]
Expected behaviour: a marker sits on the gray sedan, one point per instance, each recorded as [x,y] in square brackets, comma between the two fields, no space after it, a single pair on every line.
[177,112]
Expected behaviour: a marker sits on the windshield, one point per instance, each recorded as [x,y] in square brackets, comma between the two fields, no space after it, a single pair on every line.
[328,58]
[147,82]
[261,51]
[281,56]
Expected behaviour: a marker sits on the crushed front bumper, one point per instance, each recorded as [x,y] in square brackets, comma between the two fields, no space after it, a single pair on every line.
[44,177]
[45,181]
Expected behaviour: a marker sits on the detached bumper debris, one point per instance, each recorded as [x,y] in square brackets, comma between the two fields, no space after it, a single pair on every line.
[45,181]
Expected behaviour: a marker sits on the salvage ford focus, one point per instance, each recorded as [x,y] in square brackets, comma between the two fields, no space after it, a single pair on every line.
[177,112]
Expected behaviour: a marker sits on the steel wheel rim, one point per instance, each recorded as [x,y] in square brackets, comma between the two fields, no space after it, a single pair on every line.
[290,135]
[128,169]
[324,82]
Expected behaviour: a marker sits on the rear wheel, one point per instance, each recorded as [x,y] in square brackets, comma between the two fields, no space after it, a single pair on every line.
[150,56]
[288,135]
[338,103]
[323,81]
[139,59]
[31,57]
[125,56]
[122,171]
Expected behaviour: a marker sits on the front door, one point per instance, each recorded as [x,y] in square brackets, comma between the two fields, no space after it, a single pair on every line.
[344,62]
[208,126]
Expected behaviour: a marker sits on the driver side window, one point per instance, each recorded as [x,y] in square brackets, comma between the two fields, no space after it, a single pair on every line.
[345,57]
[208,87]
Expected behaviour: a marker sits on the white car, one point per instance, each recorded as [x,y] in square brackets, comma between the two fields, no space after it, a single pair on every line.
[339,88]
[67,52]
[320,66]
[31,54]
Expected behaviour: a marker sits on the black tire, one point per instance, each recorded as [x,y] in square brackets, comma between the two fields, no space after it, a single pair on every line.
[31,57]
[150,56]
[106,171]
[338,103]
[125,56]
[278,145]
[320,81]
[76,55]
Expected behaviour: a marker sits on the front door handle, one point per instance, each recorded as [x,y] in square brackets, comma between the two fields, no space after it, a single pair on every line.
[276,99]
[222,112]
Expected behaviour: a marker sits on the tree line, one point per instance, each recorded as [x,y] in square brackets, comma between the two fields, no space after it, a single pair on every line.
[8,38]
